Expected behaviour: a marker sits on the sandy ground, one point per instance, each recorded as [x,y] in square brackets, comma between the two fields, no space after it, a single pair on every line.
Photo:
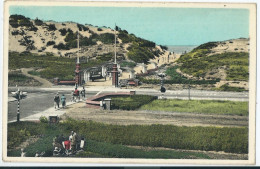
[120,117]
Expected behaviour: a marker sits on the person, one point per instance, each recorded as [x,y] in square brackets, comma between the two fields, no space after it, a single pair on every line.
[72,96]
[56,151]
[57,101]
[61,139]
[76,94]
[22,152]
[105,75]
[71,135]
[83,92]
[73,142]
[63,101]
[67,146]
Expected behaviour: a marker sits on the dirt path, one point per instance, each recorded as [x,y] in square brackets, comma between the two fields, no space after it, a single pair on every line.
[45,83]
[80,112]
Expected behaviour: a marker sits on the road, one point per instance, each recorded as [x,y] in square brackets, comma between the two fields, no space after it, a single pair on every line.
[34,103]
[40,99]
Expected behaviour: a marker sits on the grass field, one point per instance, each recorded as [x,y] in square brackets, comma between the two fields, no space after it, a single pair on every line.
[199,106]
[107,140]
[17,78]
[62,68]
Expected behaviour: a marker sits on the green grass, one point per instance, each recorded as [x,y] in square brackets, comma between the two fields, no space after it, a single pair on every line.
[106,140]
[17,78]
[199,106]
[127,64]
[131,102]
[226,87]
[35,73]
[60,67]
[198,63]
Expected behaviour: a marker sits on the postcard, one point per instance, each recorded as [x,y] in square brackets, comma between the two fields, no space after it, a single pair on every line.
[129,83]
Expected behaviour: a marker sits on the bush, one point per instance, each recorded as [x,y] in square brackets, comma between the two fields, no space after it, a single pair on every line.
[49,43]
[140,54]
[52,27]
[43,119]
[63,31]
[61,46]
[198,63]
[99,29]
[226,87]
[132,102]
[38,22]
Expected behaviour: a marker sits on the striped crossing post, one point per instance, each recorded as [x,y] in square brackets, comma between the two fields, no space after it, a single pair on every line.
[18,110]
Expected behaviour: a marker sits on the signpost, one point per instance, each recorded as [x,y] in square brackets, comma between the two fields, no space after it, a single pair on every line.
[19,95]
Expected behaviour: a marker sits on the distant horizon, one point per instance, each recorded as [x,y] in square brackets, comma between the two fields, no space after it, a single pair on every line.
[164,26]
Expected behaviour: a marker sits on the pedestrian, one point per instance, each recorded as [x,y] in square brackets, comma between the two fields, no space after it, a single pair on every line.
[73,142]
[22,152]
[83,92]
[71,135]
[105,74]
[76,94]
[72,96]
[63,101]
[57,101]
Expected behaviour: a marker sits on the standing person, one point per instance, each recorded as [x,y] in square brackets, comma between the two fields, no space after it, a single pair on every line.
[72,96]
[83,92]
[73,142]
[76,94]
[57,101]
[105,74]
[63,101]
[22,152]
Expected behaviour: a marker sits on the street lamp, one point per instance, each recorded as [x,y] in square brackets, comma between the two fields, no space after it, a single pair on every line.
[19,95]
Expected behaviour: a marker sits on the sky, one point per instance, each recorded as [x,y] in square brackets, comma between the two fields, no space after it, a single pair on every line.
[164,26]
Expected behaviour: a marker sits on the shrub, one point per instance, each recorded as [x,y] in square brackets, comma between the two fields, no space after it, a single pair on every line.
[38,22]
[164,47]
[61,46]
[43,119]
[226,87]
[63,31]
[15,32]
[52,27]
[140,54]
[49,43]
[99,29]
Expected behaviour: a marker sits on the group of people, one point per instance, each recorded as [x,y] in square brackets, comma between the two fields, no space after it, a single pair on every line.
[75,96]
[68,146]
[58,99]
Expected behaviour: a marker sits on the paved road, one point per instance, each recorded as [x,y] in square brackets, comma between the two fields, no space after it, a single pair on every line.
[40,99]
[34,103]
